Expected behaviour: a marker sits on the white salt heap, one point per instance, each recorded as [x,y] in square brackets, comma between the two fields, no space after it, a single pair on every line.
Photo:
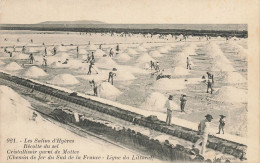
[123,57]
[82,51]
[18,55]
[144,58]
[131,52]
[13,66]
[231,95]
[31,49]
[106,62]
[177,71]
[91,47]
[1,62]
[141,49]
[64,79]
[169,84]
[155,54]
[232,77]
[99,53]
[35,72]
[156,102]
[163,50]
[219,66]
[108,91]
[124,75]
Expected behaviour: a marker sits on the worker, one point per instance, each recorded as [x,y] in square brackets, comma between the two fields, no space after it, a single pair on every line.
[77,51]
[156,67]
[169,106]
[221,124]
[66,61]
[90,67]
[183,102]
[92,56]
[188,63]
[5,50]
[111,53]
[23,49]
[44,61]
[54,51]
[45,51]
[100,46]
[203,131]
[152,65]
[210,82]
[31,58]
[31,40]
[111,75]
[18,40]
[14,48]
[117,48]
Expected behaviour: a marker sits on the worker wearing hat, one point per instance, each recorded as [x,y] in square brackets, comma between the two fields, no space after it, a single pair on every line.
[221,124]
[183,102]
[169,106]
[111,75]
[203,131]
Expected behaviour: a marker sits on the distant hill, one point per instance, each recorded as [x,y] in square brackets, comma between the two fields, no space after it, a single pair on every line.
[73,22]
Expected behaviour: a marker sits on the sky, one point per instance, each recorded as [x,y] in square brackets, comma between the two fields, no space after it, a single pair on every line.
[126,11]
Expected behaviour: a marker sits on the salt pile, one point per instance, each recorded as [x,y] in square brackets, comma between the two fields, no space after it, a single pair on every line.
[141,49]
[82,51]
[219,66]
[123,57]
[106,62]
[169,84]
[222,59]
[1,62]
[163,50]
[91,47]
[144,58]
[107,90]
[99,53]
[61,48]
[63,55]
[230,94]
[177,71]
[155,54]
[35,72]
[131,52]
[233,77]
[124,75]
[18,55]
[64,79]
[156,102]
[13,66]
[31,49]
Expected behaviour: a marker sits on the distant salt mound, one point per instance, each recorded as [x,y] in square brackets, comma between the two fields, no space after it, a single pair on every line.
[177,71]
[61,48]
[92,47]
[18,55]
[141,49]
[82,51]
[146,45]
[108,91]
[163,50]
[219,66]
[106,62]
[131,52]
[156,102]
[64,79]
[230,94]
[31,49]
[35,72]
[155,54]
[144,58]
[1,62]
[233,77]
[222,59]
[124,75]
[213,50]
[99,53]
[123,57]
[62,55]
[169,84]
[13,66]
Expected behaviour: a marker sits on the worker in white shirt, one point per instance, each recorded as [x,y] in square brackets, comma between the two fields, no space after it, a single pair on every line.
[203,131]
[169,106]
